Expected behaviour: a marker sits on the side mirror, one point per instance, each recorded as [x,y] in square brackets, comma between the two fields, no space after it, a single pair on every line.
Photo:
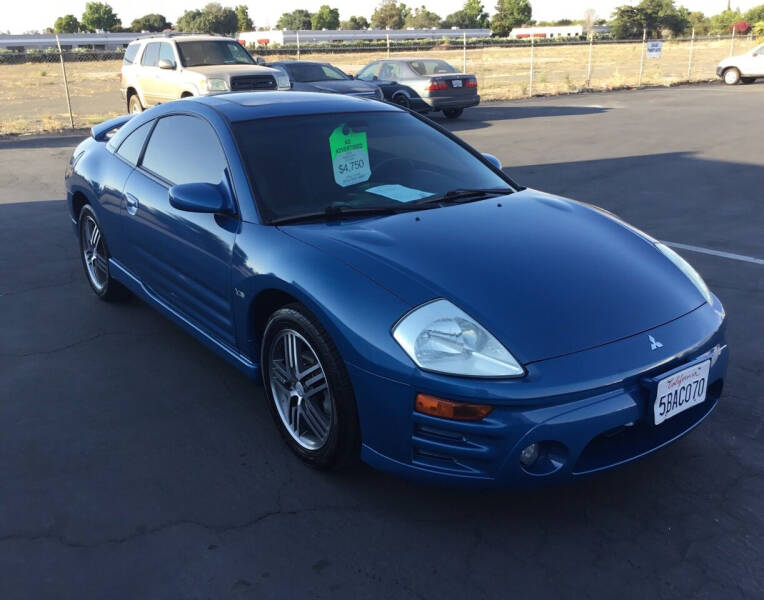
[200,198]
[351,76]
[166,63]
[260,60]
[493,160]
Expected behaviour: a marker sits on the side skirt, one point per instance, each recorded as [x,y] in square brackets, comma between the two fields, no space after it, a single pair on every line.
[241,362]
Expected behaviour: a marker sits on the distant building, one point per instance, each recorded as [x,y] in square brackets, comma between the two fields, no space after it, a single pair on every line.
[556,31]
[288,36]
[69,41]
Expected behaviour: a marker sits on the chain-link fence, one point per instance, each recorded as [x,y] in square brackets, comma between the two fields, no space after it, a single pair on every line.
[33,85]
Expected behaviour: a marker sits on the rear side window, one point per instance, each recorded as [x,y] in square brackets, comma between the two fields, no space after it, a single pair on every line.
[131,53]
[130,149]
[185,149]
[165,51]
[150,55]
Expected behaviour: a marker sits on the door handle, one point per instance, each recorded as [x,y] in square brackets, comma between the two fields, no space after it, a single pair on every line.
[132,204]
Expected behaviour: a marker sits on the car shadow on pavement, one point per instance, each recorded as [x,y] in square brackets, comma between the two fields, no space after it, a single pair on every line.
[66,139]
[483,116]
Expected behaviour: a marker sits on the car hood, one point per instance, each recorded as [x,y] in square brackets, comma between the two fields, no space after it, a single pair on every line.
[226,71]
[350,86]
[547,276]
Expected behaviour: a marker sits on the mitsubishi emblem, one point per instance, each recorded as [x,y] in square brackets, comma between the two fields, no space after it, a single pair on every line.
[654,344]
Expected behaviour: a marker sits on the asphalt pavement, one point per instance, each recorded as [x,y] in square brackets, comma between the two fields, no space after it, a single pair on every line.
[136,464]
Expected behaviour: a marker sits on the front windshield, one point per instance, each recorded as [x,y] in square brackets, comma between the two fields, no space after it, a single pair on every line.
[431,67]
[307,164]
[213,52]
[306,73]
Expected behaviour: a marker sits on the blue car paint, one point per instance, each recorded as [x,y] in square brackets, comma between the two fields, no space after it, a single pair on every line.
[588,287]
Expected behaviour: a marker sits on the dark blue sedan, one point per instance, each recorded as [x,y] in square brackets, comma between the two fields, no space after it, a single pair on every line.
[402,300]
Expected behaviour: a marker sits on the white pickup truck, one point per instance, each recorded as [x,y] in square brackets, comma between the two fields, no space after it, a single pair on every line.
[746,67]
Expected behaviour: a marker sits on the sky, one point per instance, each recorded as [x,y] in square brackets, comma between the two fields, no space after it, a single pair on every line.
[20,16]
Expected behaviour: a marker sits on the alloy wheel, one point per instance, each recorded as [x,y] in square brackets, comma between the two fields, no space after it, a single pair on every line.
[94,253]
[300,389]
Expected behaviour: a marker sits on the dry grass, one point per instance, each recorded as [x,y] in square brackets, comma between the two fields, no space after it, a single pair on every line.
[32,95]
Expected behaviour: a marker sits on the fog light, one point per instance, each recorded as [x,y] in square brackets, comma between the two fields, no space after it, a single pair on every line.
[529,455]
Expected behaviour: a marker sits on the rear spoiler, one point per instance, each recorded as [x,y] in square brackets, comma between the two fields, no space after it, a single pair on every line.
[100,131]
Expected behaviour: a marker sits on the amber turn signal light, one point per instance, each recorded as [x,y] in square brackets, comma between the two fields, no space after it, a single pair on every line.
[448,409]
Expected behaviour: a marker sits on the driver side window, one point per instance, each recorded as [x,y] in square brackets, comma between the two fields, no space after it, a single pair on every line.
[368,73]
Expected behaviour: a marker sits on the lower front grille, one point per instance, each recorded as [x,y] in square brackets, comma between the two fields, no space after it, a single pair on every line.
[245,83]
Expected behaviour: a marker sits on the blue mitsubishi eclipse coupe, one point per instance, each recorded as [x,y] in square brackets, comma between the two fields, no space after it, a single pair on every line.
[402,300]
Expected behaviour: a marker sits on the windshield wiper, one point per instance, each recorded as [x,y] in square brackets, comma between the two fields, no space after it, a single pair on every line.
[460,196]
[339,211]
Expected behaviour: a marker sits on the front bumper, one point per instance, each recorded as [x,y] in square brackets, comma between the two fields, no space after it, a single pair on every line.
[589,411]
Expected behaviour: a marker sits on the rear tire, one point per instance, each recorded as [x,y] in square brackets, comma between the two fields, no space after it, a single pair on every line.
[134,105]
[308,389]
[94,255]
[453,113]
[731,76]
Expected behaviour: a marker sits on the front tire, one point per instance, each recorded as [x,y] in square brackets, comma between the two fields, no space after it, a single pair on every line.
[731,76]
[94,254]
[453,113]
[402,100]
[308,389]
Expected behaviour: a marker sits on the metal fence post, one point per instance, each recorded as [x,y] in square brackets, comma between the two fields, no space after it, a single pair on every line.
[464,52]
[642,58]
[66,83]
[732,41]
[387,36]
[589,65]
[298,43]
[530,83]
[689,62]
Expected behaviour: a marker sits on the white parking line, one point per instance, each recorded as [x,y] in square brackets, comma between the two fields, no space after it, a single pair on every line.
[731,255]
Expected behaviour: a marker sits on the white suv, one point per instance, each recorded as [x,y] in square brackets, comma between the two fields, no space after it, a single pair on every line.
[746,67]
[161,68]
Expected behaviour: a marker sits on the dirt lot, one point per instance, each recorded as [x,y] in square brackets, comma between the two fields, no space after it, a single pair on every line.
[32,95]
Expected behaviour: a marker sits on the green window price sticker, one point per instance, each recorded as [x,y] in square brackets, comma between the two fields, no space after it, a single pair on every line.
[350,156]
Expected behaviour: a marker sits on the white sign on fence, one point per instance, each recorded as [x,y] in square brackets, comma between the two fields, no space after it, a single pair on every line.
[654,49]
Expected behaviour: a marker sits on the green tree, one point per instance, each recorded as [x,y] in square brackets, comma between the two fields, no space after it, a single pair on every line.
[722,23]
[698,22]
[653,15]
[244,23]
[755,15]
[510,14]
[297,19]
[355,23]
[213,18]
[421,18]
[471,16]
[150,22]
[66,24]
[389,14]
[99,15]
[758,29]
[326,18]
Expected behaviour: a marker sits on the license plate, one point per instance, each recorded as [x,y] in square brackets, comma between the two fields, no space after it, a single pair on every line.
[457,83]
[680,391]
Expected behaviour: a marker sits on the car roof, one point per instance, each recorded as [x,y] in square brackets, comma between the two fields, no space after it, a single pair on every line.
[195,37]
[246,106]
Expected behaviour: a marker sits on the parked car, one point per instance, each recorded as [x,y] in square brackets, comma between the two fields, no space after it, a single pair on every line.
[423,84]
[307,76]
[167,67]
[745,68]
[400,297]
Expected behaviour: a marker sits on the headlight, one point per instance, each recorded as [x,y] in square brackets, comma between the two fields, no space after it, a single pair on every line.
[214,85]
[440,337]
[685,268]
[282,81]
